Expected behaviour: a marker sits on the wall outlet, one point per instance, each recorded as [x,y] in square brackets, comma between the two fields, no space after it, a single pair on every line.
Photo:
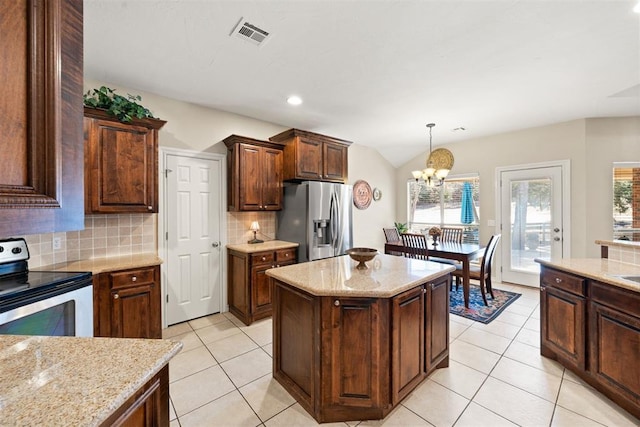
[57,243]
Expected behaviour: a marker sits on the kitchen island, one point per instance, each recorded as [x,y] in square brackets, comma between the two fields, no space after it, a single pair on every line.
[76,381]
[590,323]
[350,344]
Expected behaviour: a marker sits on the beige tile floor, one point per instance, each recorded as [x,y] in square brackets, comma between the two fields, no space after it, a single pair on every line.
[496,377]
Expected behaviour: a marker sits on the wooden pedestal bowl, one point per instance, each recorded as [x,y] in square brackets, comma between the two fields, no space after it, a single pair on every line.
[361,255]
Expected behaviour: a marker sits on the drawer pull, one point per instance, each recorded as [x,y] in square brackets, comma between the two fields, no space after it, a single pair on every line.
[116,296]
[424,290]
[558,280]
[336,303]
[134,279]
[264,258]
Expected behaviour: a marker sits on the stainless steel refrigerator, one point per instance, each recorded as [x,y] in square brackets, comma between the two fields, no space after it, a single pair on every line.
[316,215]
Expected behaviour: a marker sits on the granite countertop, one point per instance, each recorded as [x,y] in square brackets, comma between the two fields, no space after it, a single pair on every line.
[103,265]
[601,269]
[74,381]
[269,245]
[386,276]
[620,243]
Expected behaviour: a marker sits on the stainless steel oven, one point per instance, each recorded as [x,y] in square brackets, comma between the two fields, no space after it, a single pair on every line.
[42,302]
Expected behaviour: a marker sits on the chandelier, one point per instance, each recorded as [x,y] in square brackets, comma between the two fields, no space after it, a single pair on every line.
[439,163]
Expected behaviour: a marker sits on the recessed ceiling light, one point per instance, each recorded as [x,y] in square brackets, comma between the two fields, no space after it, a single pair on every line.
[294,100]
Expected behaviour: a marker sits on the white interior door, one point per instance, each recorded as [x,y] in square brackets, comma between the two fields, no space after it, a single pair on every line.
[533,222]
[193,268]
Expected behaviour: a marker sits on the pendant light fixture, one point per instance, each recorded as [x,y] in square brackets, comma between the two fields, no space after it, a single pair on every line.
[439,164]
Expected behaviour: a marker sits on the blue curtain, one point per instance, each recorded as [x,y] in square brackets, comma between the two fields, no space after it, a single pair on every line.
[466,213]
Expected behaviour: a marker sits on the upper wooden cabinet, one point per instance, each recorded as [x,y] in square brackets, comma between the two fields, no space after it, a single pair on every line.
[315,157]
[254,174]
[121,166]
[41,116]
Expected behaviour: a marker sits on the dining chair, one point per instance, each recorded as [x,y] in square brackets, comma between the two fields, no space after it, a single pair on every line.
[391,235]
[415,246]
[483,272]
[452,234]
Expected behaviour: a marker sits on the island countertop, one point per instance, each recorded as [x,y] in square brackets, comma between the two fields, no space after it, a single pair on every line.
[386,276]
[601,269]
[71,380]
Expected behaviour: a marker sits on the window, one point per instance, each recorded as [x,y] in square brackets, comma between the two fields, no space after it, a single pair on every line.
[442,206]
[626,221]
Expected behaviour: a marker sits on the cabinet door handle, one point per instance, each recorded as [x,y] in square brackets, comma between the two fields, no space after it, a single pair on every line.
[150,208]
[424,290]
[116,296]
[542,289]
[134,279]
[264,258]
[558,280]
[336,303]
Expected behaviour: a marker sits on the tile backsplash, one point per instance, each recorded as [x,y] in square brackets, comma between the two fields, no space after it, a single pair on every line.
[103,236]
[238,226]
[126,234]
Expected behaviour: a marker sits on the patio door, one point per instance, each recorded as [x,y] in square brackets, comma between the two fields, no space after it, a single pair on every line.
[533,219]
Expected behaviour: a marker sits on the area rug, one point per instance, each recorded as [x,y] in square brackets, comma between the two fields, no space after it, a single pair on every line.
[477,310]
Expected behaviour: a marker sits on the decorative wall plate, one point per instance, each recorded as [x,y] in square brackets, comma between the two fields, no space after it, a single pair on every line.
[377,194]
[362,194]
[441,158]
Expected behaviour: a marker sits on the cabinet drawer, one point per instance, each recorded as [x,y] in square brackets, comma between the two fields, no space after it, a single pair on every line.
[285,255]
[564,281]
[131,278]
[262,258]
[620,299]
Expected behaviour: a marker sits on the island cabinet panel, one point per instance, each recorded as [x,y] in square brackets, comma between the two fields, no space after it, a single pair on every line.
[561,299]
[407,359]
[310,156]
[121,166]
[254,174]
[128,303]
[354,341]
[249,290]
[297,314]
[148,407]
[41,116]
[437,324]
[614,324]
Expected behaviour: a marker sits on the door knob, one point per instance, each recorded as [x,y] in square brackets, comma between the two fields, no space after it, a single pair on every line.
[215,244]
[557,239]
[556,229]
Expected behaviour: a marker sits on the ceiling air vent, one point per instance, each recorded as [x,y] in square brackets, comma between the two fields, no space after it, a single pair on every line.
[249,32]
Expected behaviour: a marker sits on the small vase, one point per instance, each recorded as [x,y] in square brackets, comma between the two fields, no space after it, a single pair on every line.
[435,240]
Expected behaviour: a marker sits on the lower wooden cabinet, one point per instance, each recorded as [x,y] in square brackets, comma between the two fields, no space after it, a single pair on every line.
[593,328]
[248,287]
[562,298]
[148,407]
[127,303]
[356,358]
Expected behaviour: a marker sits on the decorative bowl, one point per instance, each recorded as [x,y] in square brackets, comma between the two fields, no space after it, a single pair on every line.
[361,255]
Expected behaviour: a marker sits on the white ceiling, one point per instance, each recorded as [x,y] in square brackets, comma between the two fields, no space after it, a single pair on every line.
[376,72]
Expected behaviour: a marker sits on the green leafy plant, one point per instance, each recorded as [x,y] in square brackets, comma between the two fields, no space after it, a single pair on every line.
[402,228]
[124,108]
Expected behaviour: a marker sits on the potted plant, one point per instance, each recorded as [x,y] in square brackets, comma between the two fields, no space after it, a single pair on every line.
[124,108]
[402,228]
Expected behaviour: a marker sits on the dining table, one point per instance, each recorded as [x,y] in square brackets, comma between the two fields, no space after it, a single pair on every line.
[462,252]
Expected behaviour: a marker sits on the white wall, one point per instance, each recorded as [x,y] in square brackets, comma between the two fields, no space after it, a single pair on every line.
[591,145]
[608,140]
[367,164]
